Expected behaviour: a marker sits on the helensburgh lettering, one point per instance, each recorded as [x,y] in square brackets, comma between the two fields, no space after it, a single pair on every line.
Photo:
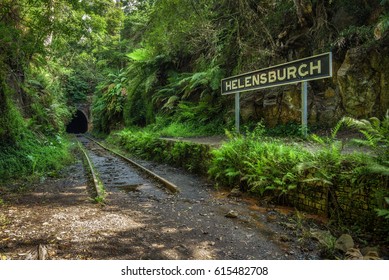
[311,68]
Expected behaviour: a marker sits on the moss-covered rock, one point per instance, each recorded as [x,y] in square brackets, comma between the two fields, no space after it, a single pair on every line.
[359,85]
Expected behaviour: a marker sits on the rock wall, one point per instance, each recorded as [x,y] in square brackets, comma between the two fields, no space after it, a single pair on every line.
[342,204]
[363,84]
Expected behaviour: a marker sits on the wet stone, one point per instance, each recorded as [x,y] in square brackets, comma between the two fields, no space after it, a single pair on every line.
[232,214]
[344,243]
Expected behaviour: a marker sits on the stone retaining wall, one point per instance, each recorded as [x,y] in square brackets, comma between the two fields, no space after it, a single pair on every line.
[340,204]
[343,205]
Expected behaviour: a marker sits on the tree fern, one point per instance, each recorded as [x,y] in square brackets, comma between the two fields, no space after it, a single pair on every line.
[141,55]
[109,102]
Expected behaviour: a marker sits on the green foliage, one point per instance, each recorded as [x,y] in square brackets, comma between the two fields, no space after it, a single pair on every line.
[190,129]
[139,143]
[46,96]
[382,26]
[384,212]
[191,101]
[12,125]
[355,36]
[276,168]
[201,84]
[108,104]
[155,77]
[148,145]
[192,157]
[376,134]
[141,55]
[32,156]
[264,165]
[191,96]
[143,74]
[179,50]
[289,129]
[173,23]
[99,199]
[257,165]
[82,77]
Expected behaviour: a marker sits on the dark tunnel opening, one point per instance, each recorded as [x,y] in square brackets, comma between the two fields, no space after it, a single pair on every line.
[79,123]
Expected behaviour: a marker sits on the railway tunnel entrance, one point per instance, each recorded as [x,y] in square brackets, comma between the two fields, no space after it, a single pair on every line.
[79,123]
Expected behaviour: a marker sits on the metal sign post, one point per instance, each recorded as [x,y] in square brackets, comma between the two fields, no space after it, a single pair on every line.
[237,112]
[293,72]
[304,108]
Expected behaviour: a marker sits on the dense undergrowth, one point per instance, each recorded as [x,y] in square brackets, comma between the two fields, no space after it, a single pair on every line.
[33,158]
[149,145]
[32,143]
[264,165]
[32,140]
[174,54]
[158,64]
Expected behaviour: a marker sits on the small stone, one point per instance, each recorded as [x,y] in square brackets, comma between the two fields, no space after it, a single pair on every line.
[344,243]
[231,214]
[285,238]
[324,237]
[369,249]
[371,255]
[353,254]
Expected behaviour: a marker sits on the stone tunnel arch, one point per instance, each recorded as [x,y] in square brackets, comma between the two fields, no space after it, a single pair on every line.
[78,124]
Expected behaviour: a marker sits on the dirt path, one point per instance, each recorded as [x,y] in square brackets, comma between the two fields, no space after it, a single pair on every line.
[60,216]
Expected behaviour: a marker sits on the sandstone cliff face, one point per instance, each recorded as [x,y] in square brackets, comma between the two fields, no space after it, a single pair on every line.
[363,83]
[359,87]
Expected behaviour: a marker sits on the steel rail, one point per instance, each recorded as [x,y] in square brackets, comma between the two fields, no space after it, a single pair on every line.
[95,178]
[169,185]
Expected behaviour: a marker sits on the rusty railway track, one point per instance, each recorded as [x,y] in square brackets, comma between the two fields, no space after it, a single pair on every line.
[98,182]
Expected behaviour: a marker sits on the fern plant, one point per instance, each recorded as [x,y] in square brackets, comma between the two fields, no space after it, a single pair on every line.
[273,166]
[376,134]
[384,212]
[188,86]
[108,105]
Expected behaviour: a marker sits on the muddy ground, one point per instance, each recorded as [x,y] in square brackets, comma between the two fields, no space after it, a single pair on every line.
[60,216]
